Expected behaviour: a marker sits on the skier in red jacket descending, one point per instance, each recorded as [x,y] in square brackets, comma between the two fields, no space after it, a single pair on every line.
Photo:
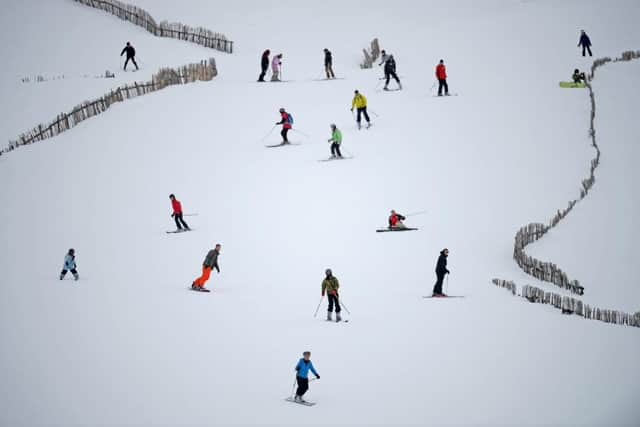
[286,122]
[177,213]
[441,75]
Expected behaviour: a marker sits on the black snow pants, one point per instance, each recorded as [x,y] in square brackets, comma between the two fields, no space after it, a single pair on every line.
[334,300]
[132,60]
[388,74]
[362,111]
[335,151]
[588,48]
[303,386]
[437,288]
[442,84]
[64,272]
[284,134]
[263,73]
[179,221]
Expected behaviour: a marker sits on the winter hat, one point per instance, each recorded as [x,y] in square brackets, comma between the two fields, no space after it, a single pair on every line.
[328,272]
[282,110]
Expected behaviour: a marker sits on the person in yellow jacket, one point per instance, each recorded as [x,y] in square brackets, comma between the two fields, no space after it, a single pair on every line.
[360,104]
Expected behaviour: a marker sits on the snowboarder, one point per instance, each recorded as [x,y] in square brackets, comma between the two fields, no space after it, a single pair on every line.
[286,122]
[302,375]
[177,213]
[441,271]
[264,64]
[70,265]
[276,65]
[585,42]
[335,140]
[389,69]
[330,286]
[578,77]
[210,262]
[131,55]
[441,75]
[360,103]
[328,64]
[395,220]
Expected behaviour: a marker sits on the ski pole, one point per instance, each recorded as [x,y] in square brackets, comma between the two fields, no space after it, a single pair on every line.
[316,313]
[447,286]
[416,213]
[190,214]
[293,389]
[300,132]
[374,113]
[267,135]
[345,308]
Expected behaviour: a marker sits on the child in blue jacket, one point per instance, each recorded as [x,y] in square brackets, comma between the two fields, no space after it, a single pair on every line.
[70,265]
[302,377]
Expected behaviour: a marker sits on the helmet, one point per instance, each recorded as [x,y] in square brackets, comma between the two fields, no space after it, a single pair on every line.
[72,251]
[282,110]
[328,272]
[333,125]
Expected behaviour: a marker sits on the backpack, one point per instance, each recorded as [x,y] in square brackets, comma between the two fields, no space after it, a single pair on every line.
[289,118]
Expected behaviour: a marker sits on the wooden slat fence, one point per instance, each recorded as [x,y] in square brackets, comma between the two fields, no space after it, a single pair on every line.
[204,71]
[142,18]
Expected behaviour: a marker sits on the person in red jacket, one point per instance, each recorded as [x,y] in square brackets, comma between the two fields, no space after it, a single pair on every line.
[395,220]
[286,121]
[177,213]
[441,75]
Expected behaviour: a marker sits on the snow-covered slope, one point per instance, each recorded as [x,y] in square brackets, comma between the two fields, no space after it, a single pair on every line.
[128,344]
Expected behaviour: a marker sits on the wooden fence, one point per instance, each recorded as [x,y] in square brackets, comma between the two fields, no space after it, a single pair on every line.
[203,71]
[142,18]
[547,271]
[370,57]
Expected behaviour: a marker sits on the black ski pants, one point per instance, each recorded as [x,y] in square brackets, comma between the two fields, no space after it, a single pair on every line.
[362,111]
[328,68]
[442,84]
[334,300]
[263,73]
[303,386]
[437,288]
[132,59]
[284,134]
[335,151]
[64,272]
[390,73]
[587,48]
[180,221]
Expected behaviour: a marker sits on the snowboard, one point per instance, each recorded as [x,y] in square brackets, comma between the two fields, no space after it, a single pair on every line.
[384,230]
[199,290]
[572,85]
[336,158]
[179,231]
[448,296]
[282,145]
[292,400]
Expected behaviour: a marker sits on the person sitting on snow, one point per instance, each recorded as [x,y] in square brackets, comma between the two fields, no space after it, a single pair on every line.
[578,77]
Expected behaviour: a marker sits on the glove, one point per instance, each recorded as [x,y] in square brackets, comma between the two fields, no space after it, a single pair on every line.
[317,377]
[297,368]
[277,123]
[322,293]
[448,272]
[352,110]
[172,215]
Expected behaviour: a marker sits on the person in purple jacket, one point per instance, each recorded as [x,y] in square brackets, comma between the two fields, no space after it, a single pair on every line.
[276,65]
[585,42]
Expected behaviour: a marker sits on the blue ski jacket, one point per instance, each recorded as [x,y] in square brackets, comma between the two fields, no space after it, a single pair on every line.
[69,262]
[303,367]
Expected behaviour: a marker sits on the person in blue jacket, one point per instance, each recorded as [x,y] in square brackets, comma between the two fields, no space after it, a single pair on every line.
[585,42]
[302,375]
[70,265]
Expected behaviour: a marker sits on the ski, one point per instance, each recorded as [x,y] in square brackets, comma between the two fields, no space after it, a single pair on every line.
[384,230]
[179,231]
[444,96]
[199,290]
[324,80]
[444,297]
[303,403]
[282,145]
[335,158]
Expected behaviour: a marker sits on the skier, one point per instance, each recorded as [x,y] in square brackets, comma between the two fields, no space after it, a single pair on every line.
[395,220]
[328,64]
[441,270]
[335,140]
[286,122]
[70,265]
[389,69]
[177,213]
[264,64]
[441,75]
[585,42]
[578,77]
[360,103]
[276,65]
[210,262]
[330,285]
[131,55]
[302,376]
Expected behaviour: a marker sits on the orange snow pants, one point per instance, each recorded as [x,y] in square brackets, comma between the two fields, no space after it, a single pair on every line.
[206,272]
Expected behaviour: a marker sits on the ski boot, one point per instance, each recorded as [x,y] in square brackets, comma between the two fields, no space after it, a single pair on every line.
[329,316]
[399,85]
[76,277]
[359,126]
[61,276]
[338,318]
[368,125]
[386,87]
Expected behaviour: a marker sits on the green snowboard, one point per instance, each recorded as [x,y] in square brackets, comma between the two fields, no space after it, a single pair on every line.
[572,85]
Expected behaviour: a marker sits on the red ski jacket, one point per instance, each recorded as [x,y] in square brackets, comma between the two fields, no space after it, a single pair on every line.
[441,72]
[177,207]
[285,120]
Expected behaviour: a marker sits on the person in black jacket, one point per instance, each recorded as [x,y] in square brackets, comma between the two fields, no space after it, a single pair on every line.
[585,42]
[328,64]
[264,64]
[441,270]
[389,69]
[131,55]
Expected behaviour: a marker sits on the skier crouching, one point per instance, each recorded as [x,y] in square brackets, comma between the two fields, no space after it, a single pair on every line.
[330,286]
[70,265]
[302,375]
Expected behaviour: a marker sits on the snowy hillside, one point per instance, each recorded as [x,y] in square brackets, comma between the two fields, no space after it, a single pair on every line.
[128,344]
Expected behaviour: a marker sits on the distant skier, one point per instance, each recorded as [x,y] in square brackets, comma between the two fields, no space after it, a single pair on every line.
[210,262]
[287,123]
[131,56]
[177,213]
[578,77]
[389,69]
[330,286]
[335,140]
[585,42]
[264,64]
[276,66]
[441,271]
[441,75]
[360,103]
[70,265]
[395,220]
[328,64]
[302,375]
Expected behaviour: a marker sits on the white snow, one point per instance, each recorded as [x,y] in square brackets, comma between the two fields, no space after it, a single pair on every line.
[128,344]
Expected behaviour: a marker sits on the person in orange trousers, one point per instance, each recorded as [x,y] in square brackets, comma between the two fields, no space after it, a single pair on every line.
[210,262]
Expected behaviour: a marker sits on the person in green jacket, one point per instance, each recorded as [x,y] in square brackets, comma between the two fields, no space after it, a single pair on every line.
[335,140]
[330,286]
